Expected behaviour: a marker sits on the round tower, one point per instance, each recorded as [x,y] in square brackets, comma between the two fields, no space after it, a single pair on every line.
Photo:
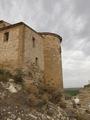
[52,60]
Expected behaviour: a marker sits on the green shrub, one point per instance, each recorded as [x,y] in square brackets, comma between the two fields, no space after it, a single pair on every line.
[5,75]
[18,76]
[72,92]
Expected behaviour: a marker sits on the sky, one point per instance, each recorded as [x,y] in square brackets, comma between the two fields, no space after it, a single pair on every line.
[68,18]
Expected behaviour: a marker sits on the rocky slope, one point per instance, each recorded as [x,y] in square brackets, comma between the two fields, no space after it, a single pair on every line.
[15,104]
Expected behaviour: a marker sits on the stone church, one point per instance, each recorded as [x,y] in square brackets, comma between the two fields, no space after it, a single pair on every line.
[20,46]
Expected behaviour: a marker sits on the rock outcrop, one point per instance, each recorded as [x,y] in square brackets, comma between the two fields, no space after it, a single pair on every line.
[16,106]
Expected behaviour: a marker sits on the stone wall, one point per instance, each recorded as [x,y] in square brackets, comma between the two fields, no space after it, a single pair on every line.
[33,52]
[19,51]
[9,50]
[52,59]
[84,96]
[25,46]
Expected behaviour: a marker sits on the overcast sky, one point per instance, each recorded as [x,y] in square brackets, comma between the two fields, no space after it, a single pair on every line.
[68,18]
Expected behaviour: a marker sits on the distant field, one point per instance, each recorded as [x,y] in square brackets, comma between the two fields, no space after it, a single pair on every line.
[71,91]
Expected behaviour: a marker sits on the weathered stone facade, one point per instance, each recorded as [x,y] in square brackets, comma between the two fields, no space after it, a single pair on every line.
[20,46]
[52,59]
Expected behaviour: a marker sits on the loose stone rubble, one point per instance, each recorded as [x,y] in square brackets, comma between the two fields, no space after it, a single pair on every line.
[15,106]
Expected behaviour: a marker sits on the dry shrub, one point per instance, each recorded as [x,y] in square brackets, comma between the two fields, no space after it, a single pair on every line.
[30,87]
[45,97]
[62,104]
[81,116]
[56,96]
[40,103]
[32,100]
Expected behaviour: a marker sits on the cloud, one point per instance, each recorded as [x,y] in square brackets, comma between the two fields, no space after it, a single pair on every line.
[68,18]
[76,68]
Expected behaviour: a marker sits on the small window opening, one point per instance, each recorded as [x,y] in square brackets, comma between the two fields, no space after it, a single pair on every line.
[6,36]
[36,61]
[33,40]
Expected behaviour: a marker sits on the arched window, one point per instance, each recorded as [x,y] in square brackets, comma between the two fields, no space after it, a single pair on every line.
[36,60]
[33,41]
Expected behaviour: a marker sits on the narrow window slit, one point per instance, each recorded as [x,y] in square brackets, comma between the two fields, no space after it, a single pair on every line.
[6,36]
[36,61]
[33,40]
